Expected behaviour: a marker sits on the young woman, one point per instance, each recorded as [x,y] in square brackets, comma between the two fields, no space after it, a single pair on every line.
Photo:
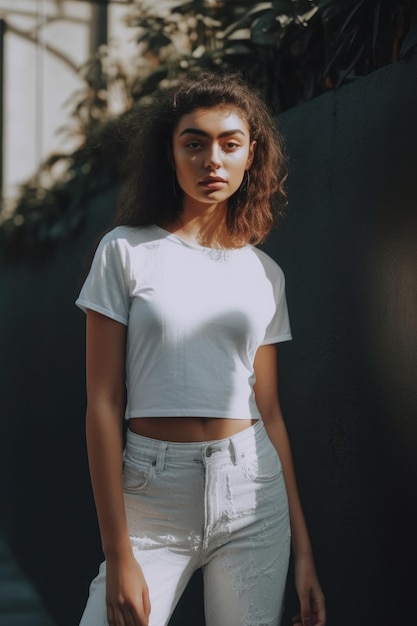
[183,317]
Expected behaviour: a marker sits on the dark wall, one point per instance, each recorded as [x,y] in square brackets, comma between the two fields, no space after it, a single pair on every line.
[347,380]
[47,507]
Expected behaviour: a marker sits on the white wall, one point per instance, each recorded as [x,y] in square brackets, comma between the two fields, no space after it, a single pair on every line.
[38,83]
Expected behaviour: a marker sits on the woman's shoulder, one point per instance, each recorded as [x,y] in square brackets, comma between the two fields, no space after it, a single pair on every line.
[129,236]
[271,267]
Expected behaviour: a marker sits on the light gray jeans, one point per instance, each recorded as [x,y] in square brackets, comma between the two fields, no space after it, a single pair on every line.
[219,505]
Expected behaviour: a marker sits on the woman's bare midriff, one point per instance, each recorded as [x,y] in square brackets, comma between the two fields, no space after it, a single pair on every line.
[188,429]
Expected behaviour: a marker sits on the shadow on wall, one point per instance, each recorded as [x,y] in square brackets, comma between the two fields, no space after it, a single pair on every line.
[392,280]
[393,311]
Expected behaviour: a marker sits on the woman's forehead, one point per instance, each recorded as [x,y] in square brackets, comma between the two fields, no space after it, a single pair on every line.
[221,117]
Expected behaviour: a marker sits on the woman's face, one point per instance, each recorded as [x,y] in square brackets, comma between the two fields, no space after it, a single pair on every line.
[212,149]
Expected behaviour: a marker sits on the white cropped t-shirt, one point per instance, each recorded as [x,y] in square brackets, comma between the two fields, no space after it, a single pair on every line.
[195,317]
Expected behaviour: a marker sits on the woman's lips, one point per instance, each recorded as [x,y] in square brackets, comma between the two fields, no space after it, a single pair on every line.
[214,182]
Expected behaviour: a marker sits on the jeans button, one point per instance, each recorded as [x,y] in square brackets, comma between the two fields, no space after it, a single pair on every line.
[209,451]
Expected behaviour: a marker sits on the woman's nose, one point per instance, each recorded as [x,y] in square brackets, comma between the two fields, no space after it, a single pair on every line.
[213,160]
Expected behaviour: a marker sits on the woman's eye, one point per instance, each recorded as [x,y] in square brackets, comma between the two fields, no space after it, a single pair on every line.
[193,145]
[231,145]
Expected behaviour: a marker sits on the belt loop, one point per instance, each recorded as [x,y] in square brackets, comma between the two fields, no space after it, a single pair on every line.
[160,458]
[234,451]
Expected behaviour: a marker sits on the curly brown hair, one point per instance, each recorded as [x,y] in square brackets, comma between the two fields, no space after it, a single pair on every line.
[149,192]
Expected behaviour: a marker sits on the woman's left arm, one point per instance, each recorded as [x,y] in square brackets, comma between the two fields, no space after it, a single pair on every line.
[312,602]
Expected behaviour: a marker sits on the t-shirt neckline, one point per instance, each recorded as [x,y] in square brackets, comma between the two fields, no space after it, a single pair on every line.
[196,246]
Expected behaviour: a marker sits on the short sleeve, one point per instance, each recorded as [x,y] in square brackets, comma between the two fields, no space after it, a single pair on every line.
[279,328]
[105,289]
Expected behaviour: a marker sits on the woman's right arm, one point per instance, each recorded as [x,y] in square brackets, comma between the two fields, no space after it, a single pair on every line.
[127,593]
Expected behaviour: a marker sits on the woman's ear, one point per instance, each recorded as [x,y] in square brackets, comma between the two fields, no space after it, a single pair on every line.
[252,150]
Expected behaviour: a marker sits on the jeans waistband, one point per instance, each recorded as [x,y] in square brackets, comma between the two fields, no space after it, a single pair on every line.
[167,451]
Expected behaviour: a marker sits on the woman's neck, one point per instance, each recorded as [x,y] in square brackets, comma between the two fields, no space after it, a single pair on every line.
[206,228]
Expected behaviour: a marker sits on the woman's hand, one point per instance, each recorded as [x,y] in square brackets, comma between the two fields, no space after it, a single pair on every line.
[127,595]
[312,602]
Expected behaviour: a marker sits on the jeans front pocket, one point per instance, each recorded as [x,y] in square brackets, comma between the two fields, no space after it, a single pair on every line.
[137,475]
[263,466]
